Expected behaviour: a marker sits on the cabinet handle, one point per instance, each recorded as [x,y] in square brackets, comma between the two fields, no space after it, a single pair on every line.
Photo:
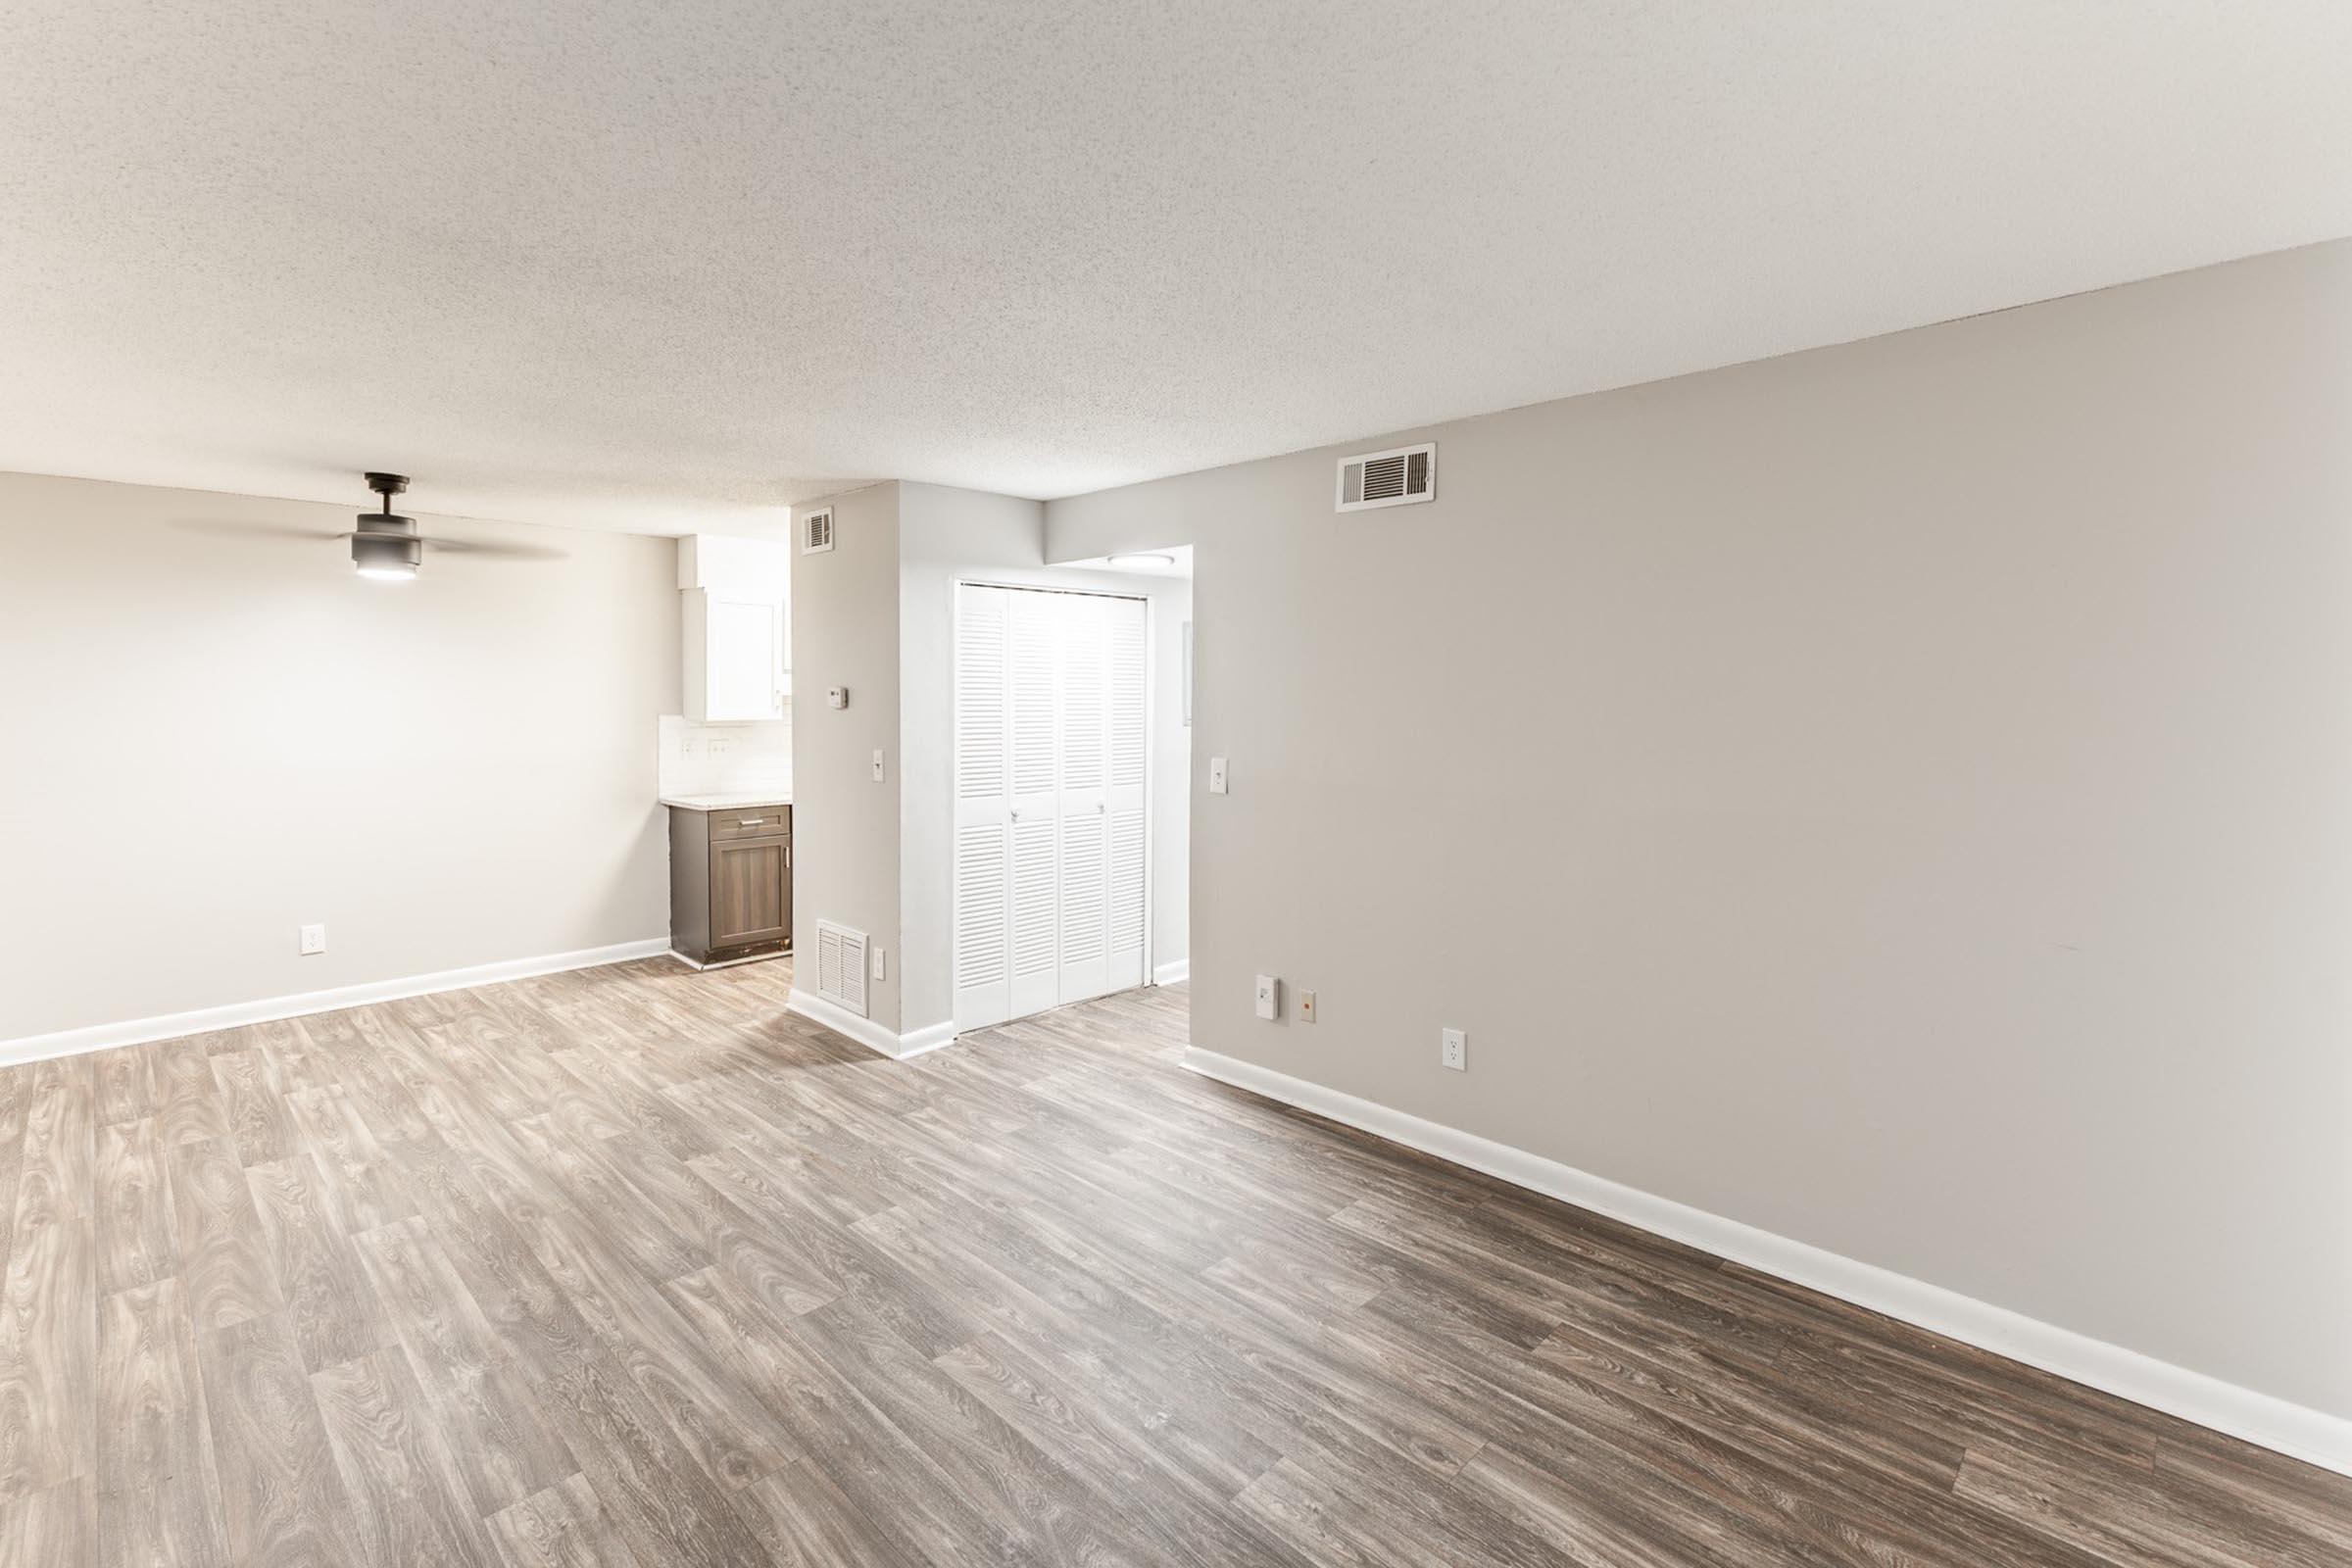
[788,855]
[750,821]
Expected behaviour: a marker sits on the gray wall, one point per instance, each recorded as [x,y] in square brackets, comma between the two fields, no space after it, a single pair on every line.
[209,738]
[1898,796]
[946,535]
[845,632]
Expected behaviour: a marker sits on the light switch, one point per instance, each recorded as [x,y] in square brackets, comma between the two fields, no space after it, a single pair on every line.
[877,765]
[1269,991]
[1216,776]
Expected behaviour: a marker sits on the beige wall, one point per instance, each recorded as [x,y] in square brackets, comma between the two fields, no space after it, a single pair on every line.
[947,535]
[209,738]
[845,632]
[1897,796]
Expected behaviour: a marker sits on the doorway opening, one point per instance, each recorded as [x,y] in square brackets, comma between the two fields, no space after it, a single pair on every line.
[1070,773]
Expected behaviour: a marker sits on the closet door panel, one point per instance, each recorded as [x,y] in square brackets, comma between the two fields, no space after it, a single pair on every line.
[1084,744]
[983,798]
[1127,710]
[1033,644]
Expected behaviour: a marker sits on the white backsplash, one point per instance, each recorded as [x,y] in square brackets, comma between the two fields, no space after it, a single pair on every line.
[727,758]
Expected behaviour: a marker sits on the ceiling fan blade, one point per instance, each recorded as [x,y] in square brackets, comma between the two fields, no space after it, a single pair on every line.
[238,528]
[494,551]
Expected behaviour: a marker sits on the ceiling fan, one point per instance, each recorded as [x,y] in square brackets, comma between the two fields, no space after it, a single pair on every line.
[388,547]
[385,546]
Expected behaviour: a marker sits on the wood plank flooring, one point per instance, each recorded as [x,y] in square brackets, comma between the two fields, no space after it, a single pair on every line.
[629,1269]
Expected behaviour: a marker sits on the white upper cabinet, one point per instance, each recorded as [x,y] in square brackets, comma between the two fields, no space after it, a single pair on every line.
[737,593]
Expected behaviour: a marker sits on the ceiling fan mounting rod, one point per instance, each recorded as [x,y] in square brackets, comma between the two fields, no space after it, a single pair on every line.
[387,485]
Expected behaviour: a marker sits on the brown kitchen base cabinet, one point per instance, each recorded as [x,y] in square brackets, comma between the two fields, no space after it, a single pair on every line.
[730,882]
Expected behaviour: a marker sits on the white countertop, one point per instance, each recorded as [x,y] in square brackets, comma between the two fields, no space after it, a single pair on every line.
[724,802]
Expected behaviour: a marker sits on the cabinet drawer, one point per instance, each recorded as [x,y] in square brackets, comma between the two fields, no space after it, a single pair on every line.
[749,822]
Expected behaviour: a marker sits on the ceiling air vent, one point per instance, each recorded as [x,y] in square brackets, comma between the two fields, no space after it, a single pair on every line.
[1394,478]
[816,531]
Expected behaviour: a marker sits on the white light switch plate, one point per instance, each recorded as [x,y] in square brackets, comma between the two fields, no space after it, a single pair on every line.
[877,768]
[1268,993]
[881,964]
[1216,776]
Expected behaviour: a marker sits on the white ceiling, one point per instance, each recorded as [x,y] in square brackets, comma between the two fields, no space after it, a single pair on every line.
[666,265]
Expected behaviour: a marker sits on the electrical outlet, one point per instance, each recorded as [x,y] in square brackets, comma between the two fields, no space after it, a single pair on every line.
[314,939]
[1453,1050]
[1306,1007]
[1269,996]
[881,964]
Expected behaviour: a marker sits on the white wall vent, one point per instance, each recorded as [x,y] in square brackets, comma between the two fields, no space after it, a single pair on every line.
[841,967]
[1394,478]
[816,531]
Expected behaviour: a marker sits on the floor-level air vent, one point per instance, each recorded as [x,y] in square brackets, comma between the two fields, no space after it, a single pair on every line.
[1396,478]
[816,531]
[841,967]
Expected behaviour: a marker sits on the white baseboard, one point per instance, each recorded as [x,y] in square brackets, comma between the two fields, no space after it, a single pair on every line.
[925,1040]
[236,1015]
[2262,1419]
[1176,973]
[866,1031]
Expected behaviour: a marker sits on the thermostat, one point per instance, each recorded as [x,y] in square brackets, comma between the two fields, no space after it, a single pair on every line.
[837,696]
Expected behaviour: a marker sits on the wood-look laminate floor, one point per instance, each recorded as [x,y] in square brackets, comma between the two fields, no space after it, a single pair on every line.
[627,1267]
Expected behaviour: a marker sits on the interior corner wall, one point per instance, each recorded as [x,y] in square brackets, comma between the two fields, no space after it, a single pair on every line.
[845,632]
[213,732]
[947,535]
[1897,796]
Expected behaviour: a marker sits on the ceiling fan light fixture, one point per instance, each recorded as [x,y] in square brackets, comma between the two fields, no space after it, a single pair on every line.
[387,547]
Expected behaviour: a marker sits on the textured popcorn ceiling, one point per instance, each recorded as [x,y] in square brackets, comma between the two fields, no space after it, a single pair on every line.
[661,266]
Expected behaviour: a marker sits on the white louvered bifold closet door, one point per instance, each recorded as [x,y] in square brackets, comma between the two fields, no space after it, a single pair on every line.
[1051,754]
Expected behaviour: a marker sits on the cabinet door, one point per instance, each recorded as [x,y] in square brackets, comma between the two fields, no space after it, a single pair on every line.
[751,891]
[745,660]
